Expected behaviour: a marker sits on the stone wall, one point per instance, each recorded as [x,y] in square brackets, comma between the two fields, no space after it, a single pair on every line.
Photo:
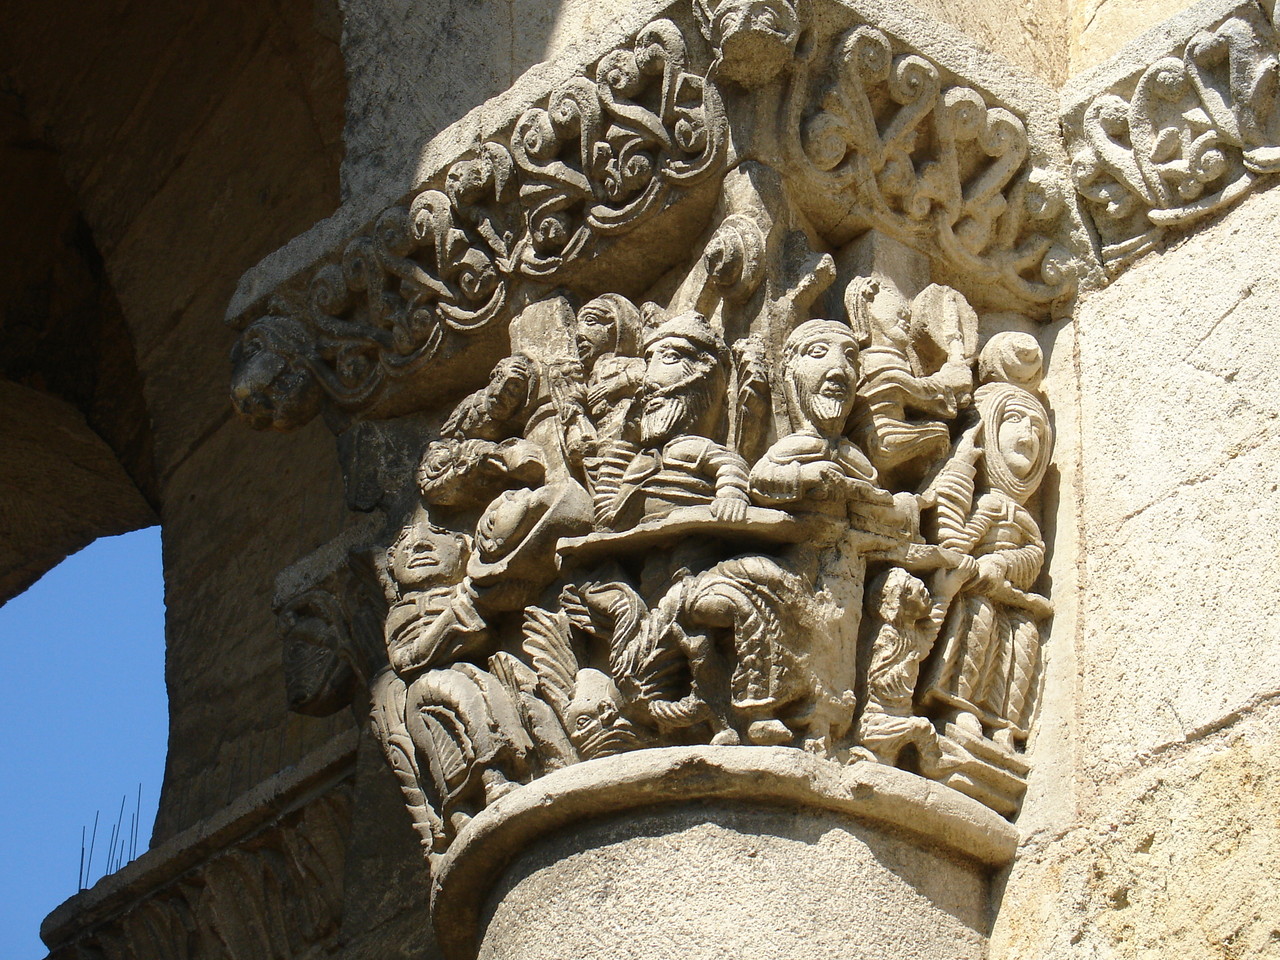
[196,141]
[1148,821]
[1162,836]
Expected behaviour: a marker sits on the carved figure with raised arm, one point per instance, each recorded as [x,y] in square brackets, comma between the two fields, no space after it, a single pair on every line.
[597,392]
[905,400]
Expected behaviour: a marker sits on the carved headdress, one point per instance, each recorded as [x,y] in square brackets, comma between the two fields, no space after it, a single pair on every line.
[997,402]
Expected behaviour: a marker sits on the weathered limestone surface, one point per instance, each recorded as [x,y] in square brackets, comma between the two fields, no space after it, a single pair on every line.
[1099,28]
[63,486]
[414,69]
[720,882]
[217,137]
[1162,836]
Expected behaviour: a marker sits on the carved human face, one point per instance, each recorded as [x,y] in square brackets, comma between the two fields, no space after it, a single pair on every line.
[424,556]
[676,388]
[597,332]
[915,600]
[824,369]
[506,522]
[889,313]
[1018,440]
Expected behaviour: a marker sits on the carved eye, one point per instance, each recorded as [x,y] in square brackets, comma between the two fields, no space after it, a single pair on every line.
[817,350]
[583,721]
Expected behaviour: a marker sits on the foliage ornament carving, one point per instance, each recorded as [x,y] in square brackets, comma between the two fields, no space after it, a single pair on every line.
[1188,135]
[861,131]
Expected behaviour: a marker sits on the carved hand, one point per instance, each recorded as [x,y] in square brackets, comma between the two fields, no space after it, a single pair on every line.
[728,509]
[967,447]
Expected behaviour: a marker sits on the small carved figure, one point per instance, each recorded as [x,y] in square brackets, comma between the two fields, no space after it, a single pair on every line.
[516,540]
[589,705]
[597,394]
[653,660]
[907,618]
[896,385]
[816,464]
[500,409]
[433,619]
[468,473]
[680,463]
[989,652]
[778,689]
[465,727]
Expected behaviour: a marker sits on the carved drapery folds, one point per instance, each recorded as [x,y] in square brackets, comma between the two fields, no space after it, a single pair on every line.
[780,490]
[1188,135]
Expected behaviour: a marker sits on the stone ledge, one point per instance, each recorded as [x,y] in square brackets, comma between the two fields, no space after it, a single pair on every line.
[289,789]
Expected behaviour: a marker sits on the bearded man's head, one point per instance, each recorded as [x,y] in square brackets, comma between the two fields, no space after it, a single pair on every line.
[820,360]
[686,372]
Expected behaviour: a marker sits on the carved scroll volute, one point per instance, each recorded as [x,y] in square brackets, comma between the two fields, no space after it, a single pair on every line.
[1189,134]
[890,143]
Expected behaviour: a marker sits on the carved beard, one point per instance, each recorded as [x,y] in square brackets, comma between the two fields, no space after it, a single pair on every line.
[662,418]
[826,412]
[677,407]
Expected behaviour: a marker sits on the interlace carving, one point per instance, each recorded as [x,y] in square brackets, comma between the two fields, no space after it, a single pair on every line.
[603,153]
[893,144]
[1190,135]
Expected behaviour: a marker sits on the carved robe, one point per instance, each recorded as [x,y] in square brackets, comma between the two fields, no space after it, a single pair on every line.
[688,471]
[990,641]
[792,469]
[890,389]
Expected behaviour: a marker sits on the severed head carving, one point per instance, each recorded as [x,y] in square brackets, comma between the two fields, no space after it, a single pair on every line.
[820,367]
[1012,357]
[272,384]
[686,372]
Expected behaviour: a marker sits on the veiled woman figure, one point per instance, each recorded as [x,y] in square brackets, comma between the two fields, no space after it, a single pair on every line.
[985,662]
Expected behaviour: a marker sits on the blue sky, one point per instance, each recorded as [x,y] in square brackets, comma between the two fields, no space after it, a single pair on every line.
[84,720]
